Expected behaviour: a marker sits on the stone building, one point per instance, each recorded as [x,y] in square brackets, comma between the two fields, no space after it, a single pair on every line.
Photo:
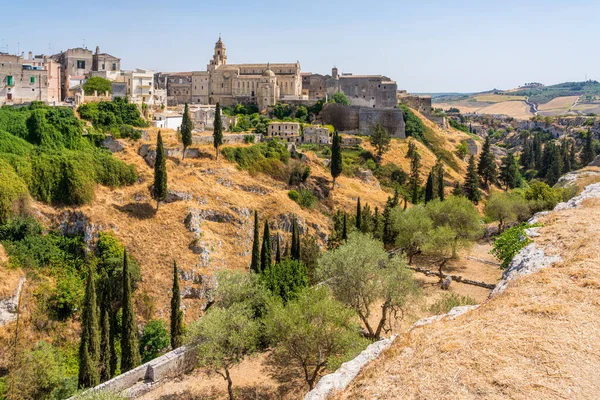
[375,91]
[361,120]
[420,103]
[178,86]
[22,81]
[104,62]
[283,129]
[316,134]
[229,84]
[76,65]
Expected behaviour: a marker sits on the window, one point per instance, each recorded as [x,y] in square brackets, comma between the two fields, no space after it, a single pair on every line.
[114,66]
[32,79]
[80,64]
[103,67]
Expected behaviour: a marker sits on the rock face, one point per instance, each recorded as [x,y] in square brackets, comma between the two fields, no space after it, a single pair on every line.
[8,307]
[570,178]
[590,192]
[149,155]
[366,175]
[113,145]
[455,312]
[72,223]
[340,379]
[173,196]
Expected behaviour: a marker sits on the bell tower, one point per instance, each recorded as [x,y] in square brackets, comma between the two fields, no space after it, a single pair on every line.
[220,56]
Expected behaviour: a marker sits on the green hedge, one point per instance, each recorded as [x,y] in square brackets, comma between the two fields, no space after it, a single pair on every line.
[13,192]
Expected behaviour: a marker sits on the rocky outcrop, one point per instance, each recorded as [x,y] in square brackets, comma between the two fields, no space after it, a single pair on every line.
[590,192]
[73,223]
[340,379]
[148,154]
[9,307]
[596,162]
[114,146]
[174,195]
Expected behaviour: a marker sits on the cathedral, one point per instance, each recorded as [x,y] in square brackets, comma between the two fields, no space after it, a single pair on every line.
[261,84]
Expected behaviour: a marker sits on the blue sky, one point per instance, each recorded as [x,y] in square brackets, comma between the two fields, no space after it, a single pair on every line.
[426,46]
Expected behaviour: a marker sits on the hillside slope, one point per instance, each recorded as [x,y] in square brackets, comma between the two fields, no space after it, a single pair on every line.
[539,339]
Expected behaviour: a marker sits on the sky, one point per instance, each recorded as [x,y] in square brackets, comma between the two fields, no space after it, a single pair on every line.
[425,46]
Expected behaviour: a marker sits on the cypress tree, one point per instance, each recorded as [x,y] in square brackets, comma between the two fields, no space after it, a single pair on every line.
[367,219]
[388,236]
[176,312]
[588,153]
[278,252]
[255,263]
[186,129]
[298,246]
[105,335]
[160,172]
[130,354]
[487,164]
[527,154]
[293,250]
[89,346]
[471,187]
[573,157]
[537,151]
[395,200]
[509,172]
[376,224]
[414,181]
[336,157]
[440,181]
[114,356]
[217,130]
[345,228]
[265,255]
[555,170]
[358,215]
[429,188]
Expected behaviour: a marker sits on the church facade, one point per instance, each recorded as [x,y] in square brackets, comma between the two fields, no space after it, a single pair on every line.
[261,84]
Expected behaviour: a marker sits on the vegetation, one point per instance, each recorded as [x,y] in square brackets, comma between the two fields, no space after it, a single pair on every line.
[97,84]
[89,345]
[130,355]
[304,197]
[154,340]
[544,94]
[340,98]
[336,158]
[360,273]
[286,278]
[217,131]
[255,263]
[312,332]
[177,329]
[186,130]
[509,243]
[159,189]
[109,115]
[380,139]
[449,301]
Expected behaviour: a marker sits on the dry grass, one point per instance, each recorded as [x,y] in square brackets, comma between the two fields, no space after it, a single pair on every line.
[516,109]
[559,104]
[537,340]
[10,276]
[498,98]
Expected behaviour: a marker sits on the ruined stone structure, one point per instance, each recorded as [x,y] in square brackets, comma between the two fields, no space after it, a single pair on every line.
[420,103]
[375,91]
[316,134]
[229,84]
[360,120]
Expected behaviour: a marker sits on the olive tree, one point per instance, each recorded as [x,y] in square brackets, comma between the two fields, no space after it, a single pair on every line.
[413,226]
[361,275]
[505,208]
[224,337]
[311,331]
[442,244]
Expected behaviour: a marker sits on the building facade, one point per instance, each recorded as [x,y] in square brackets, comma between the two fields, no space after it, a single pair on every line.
[229,84]
[21,81]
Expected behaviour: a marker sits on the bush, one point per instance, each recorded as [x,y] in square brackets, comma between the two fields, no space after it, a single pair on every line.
[13,144]
[449,301]
[286,279]
[413,125]
[155,340]
[128,131]
[510,243]
[294,195]
[298,171]
[13,193]
[248,139]
[97,83]
[541,196]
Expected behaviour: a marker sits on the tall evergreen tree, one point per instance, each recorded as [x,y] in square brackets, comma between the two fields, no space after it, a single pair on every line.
[114,355]
[537,151]
[358,221]
[255,263]
[380,139]
[345,228]
[509,172]
[336,157]
[217,130]
[573,157]
[265,254]
[130,354]
[278,252]
[296,252]
[89,346]
[366,225]
[414,181]
[526,159]
[388,237]
[487,164]
[429,188]
[471,187]
[588,153]
[440,181]
[176,312]
[160,172]
[412,147]
[105,335]
[186,129]
[377,224]
[547,156]
[555,170]
[564,153]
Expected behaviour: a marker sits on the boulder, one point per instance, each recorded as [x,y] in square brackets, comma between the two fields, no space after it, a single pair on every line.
[193,221]
[148,154]
[113,145]
[173,196]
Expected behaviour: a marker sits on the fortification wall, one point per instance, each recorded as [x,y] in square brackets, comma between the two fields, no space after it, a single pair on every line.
[360,120]
[420,103]
[228,138]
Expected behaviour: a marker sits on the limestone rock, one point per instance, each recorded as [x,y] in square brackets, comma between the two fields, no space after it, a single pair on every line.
[366,175]
[452,314]
[148,154]
[173,196]
[8,307]
[254,189]
[590,192]
[283,222]
[72,223]
[113,145]
[193,222]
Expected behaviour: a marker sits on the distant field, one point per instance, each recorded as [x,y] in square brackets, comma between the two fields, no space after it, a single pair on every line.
[558,105]
[498,98]
[515,109]
[586,108]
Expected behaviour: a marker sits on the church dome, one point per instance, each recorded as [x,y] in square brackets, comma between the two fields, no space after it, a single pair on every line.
[268,72]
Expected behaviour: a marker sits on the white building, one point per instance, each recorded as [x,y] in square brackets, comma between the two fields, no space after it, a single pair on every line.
[140,86]
[167,120]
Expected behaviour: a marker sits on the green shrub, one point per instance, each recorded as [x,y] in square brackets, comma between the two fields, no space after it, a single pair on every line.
[413,125]
[128,131]
[298,171]
[13,144]
[294,195]
[391,175]
[155,340]
[449,301]
[509,243]
[307,199]
[13,192]
[248,139]
[286,279]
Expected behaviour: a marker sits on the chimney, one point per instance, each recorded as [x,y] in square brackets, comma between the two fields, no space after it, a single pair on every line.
[30,55]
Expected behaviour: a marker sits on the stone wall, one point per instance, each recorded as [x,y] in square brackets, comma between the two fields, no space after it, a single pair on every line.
[228,138]
[360,120]
[170,365]
[420,103]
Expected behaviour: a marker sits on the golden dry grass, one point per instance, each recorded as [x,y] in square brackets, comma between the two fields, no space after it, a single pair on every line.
[516,109]
[10,276]
[498,98]
[538,340]
[559,104]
